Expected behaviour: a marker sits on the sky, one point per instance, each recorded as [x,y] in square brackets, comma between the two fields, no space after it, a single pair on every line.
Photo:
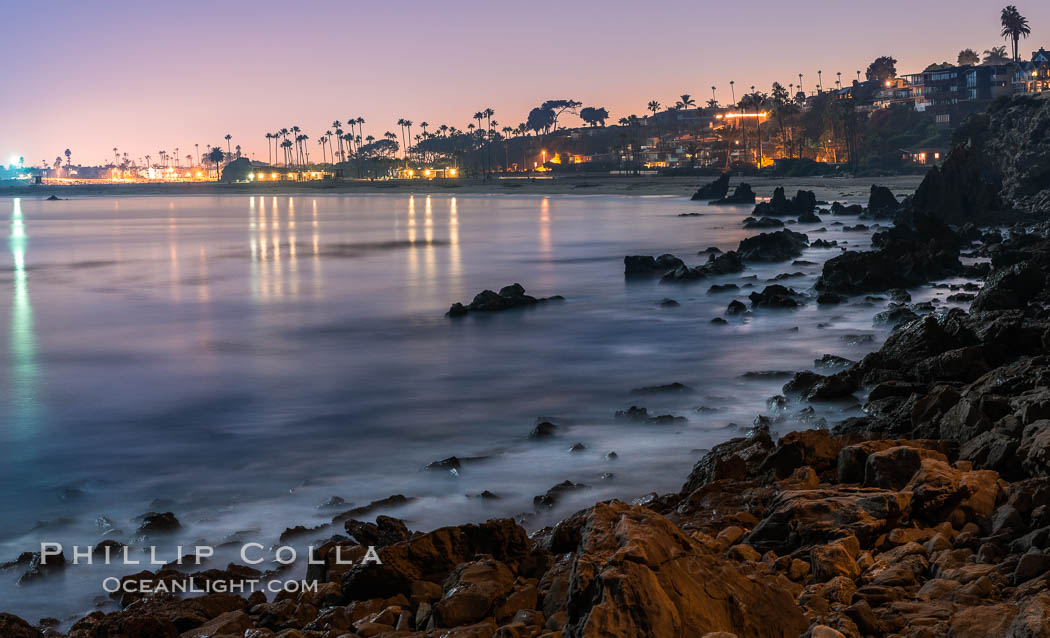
[146,76]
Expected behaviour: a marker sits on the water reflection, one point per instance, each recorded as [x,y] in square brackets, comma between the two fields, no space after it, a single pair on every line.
[274,249]
[455,266]
[24,369]
[545,225]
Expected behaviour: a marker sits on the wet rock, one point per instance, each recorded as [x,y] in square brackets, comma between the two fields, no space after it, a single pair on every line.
[765,222]
[669,388]
[40,567]
[393,501]
[717,265]
[895,316]
[543,430]
[647,266]
[158,523]
[803,203]
[385,531]
[716,288]
[830,299]
[433,556]
[713,190]
[554,494]
[742,194]
[719,321]
[775,296]
[738,459]
[577,447]
[832,361]
[512,296]
[823,243]
[781,245]
[735,308]
[633,413]
[1010,287]
[881,202]
[667,302]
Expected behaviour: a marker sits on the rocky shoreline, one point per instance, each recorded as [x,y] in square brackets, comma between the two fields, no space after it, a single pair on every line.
[928,516]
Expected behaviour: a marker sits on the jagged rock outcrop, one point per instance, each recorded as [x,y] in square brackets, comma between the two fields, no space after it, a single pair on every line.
[713,190]
[803,203]
[512,296]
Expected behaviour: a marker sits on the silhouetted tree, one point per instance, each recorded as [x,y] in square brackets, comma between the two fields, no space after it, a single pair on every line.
[215,156]
[882,69]
[995,55]
[968,57]
[1015,25]
[594,116]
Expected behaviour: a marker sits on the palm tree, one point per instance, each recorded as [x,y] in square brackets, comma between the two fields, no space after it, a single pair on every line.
[1015,25]
[215,156]
[269,157]
[401,123]
[228,138]
[197,147]
[286,146]
[68,153]
[685,102]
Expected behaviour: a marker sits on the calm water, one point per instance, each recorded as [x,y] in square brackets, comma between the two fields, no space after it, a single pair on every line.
[239,360]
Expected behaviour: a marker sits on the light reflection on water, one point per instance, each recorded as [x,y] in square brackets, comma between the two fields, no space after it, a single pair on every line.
[245,358]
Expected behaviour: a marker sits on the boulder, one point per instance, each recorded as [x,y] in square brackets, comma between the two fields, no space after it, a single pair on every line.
[742,194]
[881,202]
[739,459]
[1010,287]
[637,574]
[713,190]
[775,296]
[512,296]
[648,266]
[472,592]
[781,245]
[432,557]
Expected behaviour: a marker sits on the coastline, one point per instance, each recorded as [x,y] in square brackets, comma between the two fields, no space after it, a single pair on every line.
[928,516]
[826,188]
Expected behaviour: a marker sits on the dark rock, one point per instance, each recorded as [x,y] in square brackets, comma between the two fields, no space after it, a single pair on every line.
[554,494]
[717,265]
[765,222]
[673,388]
[714,190]
[1010,287]
[667,302]
[647,266]
[803,203]
[881,202]
[394,501]
[774,296]
[158,523]
[512,296]
[895,316]
[385,531]
[736,308]
[777,246]
[719,321]
[830,299]
[543,430]
[633,413]
[722,288]
[741,195]
[832,361]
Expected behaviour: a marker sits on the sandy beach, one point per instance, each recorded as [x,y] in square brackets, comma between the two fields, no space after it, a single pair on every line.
[826,188]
